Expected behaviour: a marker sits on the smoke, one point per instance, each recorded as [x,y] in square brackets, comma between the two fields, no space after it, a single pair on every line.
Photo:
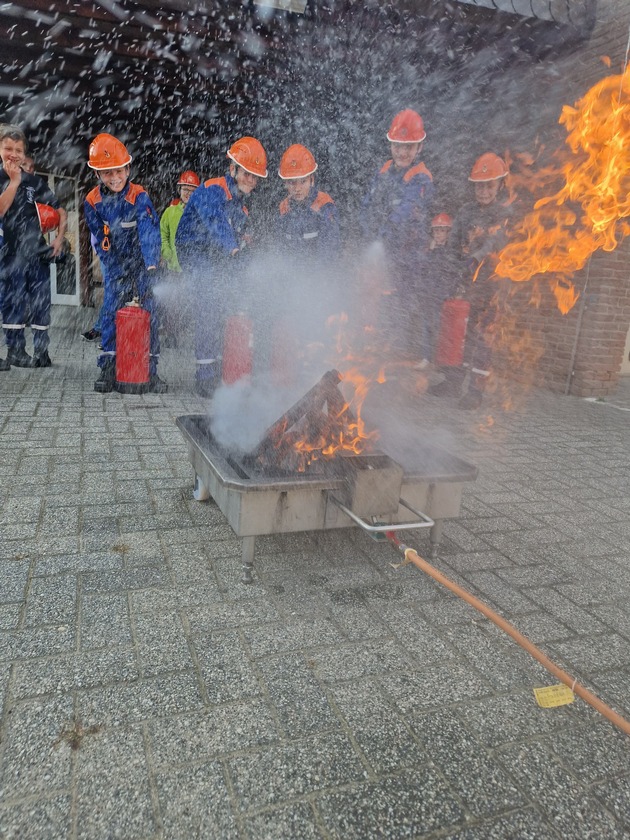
[241,412]
[294,308]
[307,319]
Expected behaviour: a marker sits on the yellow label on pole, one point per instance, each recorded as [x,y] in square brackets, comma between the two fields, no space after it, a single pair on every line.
[554,695]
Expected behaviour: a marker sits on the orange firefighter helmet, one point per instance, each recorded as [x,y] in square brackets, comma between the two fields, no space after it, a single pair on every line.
[406,127]
[106,152]
[442,220]
[188,179]
[489,167]
[249,154]
[48,217]
[296,162]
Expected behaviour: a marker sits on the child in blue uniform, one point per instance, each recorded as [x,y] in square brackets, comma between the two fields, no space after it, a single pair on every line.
[25,255]
[395,212]
[211,232]
[308,222]
[126,230]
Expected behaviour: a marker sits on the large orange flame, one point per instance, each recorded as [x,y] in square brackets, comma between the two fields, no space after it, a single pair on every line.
[342,430]
[586,212]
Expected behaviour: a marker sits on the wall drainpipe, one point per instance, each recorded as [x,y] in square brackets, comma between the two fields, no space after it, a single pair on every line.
[578,331]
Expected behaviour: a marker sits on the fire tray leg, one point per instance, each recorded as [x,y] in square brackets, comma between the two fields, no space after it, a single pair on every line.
[436,537]
[249,544]
[200,491]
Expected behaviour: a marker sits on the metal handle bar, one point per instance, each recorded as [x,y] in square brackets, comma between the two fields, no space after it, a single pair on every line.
[426,522]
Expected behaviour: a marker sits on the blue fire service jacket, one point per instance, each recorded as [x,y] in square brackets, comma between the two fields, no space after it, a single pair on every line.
[21,235]
[396,210]
[212,225]
[125,230]
[309,227]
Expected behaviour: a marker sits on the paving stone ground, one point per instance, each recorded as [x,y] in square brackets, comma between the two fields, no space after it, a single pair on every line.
[147,693]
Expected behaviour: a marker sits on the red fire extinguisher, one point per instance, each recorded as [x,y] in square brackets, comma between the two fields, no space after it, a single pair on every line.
[238,341]
[452,336]
[132,348]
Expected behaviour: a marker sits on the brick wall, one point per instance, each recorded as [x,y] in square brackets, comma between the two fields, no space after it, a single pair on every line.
[606,316]
[578,353]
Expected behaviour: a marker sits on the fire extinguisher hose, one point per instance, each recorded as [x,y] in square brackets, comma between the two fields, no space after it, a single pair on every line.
[412,556]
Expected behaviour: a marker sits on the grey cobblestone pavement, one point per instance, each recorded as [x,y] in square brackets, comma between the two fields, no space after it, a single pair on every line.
[146,693]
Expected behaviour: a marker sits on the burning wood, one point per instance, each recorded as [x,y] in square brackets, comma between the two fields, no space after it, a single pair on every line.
[320,425]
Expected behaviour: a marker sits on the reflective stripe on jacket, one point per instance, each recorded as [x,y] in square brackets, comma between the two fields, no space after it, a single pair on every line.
[309,226]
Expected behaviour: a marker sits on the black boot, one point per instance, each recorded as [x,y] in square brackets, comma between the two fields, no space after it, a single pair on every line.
[41,360]
[107,379]
[471,400]
[451,386]
[4,365]
[473,397]
[18,357]
[157,385]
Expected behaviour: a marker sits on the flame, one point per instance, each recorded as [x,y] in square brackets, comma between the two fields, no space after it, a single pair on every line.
[592,197]
[342,430]
[339,323]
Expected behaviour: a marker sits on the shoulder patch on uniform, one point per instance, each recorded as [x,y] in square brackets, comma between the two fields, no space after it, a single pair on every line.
[134,191]
[284,206]
[94,196]
[321,200]
[386,166]
[219,182]
[418,169]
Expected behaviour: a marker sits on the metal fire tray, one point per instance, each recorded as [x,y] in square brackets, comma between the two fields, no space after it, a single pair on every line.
[254,504]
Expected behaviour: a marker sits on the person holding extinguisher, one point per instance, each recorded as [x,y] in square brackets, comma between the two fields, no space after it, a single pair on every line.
[394,216]
[211,233]
[28,210]
[479,231]
[126,231]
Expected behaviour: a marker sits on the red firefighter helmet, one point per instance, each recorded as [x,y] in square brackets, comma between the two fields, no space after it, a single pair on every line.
[188,179]
[406,127]
[249,154]
[489,167]
[106,152]
[296,162]
[48,217]
[442,220]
